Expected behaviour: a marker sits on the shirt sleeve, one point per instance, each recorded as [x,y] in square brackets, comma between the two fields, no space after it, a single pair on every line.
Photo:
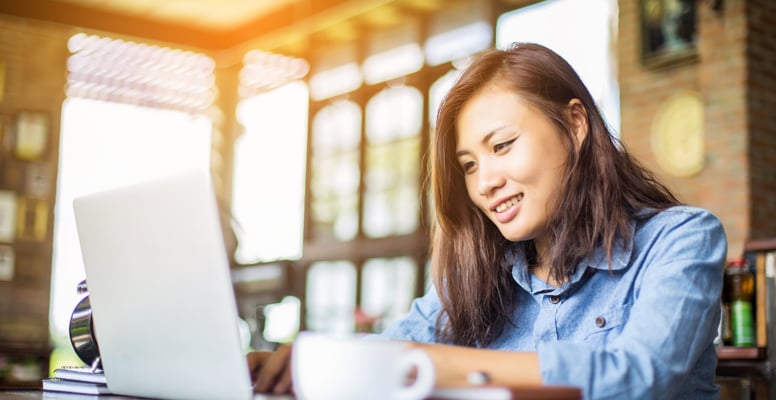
[672,324]
[419,323]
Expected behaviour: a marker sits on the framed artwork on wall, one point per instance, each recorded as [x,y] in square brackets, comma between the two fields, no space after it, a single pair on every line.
[37,180]
[31,219]
[31,134]
[668,31]
[6,263]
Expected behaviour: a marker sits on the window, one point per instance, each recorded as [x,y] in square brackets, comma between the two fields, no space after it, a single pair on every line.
[388,288]
[458,31]
[393,123]
[589,50]
[269,173]
[337,71]
[393,52]
[331,297]
[335,168]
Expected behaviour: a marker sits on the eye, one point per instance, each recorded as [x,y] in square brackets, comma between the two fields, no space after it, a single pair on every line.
[498,147]
[468,166]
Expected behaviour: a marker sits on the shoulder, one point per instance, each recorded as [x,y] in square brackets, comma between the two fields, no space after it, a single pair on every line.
[677,218]
[681,231]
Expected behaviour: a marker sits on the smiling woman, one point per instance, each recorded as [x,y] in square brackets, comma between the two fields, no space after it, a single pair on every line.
[554,244]
[555,252]
[503,139]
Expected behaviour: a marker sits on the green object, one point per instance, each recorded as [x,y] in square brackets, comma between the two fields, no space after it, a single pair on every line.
[741,319]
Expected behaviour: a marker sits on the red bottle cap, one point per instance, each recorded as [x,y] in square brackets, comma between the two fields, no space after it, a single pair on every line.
[738,262]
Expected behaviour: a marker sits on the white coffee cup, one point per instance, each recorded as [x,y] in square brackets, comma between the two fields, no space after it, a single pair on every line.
[325,367]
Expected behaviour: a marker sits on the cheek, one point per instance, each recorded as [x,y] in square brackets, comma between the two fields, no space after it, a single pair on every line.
[474,193]
[471,187]
[525,168]
[535,168]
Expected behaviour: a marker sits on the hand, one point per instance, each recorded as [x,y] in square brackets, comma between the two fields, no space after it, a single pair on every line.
[271,371]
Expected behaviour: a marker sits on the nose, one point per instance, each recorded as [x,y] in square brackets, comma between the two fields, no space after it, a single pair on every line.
[490,178]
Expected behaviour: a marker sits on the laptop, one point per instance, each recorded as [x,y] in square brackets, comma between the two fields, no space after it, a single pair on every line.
[163,305]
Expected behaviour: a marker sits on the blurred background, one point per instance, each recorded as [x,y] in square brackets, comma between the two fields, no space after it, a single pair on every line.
[315,117]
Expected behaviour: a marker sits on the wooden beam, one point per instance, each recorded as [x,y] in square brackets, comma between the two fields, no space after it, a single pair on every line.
[173,33]
[109,22]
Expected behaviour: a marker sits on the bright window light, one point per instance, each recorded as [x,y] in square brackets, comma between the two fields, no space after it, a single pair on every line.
[105,145]
[588,49]
[269,174]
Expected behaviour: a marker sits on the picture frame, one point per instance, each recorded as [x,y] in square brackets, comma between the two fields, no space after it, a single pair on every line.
[668,32]
[31,131]
[37,180]
[7,263]
[31,219]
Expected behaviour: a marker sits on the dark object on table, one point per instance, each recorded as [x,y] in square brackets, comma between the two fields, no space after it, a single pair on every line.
[82,335]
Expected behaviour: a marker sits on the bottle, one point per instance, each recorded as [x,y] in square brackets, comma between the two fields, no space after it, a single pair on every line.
[724,330]
[739,285]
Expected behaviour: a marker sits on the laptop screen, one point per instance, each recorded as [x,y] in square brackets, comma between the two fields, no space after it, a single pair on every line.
[163,305]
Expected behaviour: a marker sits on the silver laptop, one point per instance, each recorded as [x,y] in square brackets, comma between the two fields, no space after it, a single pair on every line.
[163,306]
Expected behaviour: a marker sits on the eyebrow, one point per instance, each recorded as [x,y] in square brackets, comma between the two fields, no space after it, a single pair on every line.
[484,140]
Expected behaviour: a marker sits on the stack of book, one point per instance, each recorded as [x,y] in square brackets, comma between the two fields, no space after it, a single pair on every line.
[81,380]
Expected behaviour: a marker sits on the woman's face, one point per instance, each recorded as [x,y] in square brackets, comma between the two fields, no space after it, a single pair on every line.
[513,160]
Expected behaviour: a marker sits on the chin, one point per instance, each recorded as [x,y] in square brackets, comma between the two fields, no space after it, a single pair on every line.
[513,236]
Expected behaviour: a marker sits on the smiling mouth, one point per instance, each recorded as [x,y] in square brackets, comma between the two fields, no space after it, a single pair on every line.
[509,203]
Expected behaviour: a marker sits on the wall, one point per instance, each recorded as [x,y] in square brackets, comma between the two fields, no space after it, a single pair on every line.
[761,106]
[34,56]
[733,69]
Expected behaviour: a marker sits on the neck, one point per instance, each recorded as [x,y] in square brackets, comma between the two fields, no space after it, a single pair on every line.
[542,251]
[541,269]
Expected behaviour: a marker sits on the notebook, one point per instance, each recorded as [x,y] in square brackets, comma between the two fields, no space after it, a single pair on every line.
[163,306]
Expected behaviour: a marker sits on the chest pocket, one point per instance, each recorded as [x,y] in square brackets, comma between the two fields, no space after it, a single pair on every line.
[603,327]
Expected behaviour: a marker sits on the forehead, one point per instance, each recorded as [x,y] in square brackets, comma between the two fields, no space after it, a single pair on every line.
[489,110]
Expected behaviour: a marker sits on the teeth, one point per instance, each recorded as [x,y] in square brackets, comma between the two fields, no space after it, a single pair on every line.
[509,203]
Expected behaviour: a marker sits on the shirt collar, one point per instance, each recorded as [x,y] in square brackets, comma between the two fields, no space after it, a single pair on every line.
[621,254]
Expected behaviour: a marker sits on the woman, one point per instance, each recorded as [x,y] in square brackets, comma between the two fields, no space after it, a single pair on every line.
[557,258]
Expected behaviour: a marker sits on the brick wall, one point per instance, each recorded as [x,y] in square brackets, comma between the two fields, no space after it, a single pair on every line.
[737,182]
[761,106]
[34,56]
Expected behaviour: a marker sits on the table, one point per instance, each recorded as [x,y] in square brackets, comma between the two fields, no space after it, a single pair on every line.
[518,393]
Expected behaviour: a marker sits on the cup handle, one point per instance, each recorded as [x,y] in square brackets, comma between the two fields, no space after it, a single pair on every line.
[425,377]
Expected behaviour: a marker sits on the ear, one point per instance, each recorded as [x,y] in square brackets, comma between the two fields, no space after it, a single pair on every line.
[577,115]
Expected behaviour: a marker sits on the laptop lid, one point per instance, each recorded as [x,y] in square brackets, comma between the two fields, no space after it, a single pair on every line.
[162,300]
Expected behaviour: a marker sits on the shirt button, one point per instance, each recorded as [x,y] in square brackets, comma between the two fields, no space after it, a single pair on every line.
[600,322]
[554,299]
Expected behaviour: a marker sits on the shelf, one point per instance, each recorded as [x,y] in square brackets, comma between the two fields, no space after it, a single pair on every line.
[741,353]
[16,348]
[766,244]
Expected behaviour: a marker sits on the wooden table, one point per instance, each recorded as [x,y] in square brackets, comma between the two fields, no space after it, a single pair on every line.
[518,393]
[539,392]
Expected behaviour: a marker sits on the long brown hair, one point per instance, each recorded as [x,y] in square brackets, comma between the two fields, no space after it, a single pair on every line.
[603,189]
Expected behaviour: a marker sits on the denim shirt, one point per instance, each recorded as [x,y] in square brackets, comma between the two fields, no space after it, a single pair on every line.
[642,328]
